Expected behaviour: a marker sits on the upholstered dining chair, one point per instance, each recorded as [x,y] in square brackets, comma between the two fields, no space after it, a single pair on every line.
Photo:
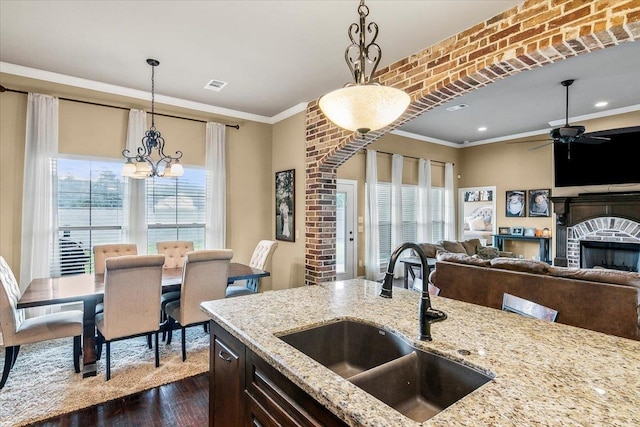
[132,287]
[16,330]
[175,254]
[261,258]
[102,252]
[204,278]
[527,308]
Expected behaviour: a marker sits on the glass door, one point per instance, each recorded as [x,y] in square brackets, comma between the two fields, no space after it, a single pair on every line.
[346,242]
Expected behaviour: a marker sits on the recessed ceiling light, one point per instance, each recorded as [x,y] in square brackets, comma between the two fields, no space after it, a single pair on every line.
[482,128]
[215,85]
[457,107]
[601,104]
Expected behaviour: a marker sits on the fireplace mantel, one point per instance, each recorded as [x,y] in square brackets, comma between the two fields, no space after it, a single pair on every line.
[573,210]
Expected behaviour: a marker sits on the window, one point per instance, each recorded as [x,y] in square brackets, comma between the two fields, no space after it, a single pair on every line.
[409,216]
[176,208]
[90,194]
[90,210]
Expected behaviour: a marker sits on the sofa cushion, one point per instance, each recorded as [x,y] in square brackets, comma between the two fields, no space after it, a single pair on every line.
[521,265]
[453,246]
[463,259]
[430,249]
[616,277]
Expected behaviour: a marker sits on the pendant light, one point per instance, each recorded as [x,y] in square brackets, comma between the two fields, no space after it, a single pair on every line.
[363,105]
[143,164]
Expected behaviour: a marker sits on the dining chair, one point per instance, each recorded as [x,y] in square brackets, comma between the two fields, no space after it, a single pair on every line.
[175,254]
[514,304]
[17,331]
[102,252]
[204,278]
[261,258]
[132,287]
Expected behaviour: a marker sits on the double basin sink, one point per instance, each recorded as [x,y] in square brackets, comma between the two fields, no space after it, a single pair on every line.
[416,383]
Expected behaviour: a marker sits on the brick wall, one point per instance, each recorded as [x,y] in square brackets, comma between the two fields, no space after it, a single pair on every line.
[536,33]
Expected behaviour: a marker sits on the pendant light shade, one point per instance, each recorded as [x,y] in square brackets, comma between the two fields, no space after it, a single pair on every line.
[364,108]
[363,105]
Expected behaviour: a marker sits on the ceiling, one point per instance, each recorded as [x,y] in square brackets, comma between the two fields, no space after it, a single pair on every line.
[278,55]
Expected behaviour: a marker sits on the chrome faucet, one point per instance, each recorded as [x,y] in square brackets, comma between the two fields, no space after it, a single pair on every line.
[427,314]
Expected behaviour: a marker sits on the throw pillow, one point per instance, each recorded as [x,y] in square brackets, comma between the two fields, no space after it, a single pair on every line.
[487,252]
[452,246]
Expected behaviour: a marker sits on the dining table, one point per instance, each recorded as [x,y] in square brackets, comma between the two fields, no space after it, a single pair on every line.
[89,289]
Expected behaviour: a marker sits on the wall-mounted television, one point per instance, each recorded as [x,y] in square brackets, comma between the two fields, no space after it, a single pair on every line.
[608,163]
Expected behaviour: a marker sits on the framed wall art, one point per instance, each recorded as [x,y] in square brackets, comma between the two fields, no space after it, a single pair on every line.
[477,213]
[285,205]
[539,202]
[517,231]
[516,203]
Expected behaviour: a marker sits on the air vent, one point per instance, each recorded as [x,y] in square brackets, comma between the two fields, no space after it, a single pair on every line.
[457,107]
[215,85]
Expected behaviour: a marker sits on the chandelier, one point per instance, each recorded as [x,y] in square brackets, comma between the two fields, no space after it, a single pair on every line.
[144,164]
[363,105]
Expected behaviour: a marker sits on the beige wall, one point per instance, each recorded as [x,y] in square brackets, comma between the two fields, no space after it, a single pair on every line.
[13,115]
[288,153]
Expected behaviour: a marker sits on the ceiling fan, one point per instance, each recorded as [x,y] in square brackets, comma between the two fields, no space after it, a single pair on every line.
[573,133]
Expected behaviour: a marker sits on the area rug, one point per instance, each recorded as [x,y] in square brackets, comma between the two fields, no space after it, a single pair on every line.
[43,383]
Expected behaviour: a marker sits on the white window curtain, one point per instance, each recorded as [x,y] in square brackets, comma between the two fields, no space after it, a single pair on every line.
[396,208]
[449,204]
[425,226]
[39,193]
[216,208]
[134,209]
[372,236]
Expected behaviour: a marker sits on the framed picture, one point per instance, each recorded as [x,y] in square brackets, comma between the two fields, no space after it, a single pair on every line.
[517,231]
[504,230]
[477,212]
[516,203]
[539,202]
[285,205]
[530,232]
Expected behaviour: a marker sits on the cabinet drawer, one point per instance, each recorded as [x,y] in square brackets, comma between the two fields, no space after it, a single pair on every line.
[288,404]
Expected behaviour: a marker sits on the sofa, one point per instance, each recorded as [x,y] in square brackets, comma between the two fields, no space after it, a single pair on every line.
[606,301]
[471,247]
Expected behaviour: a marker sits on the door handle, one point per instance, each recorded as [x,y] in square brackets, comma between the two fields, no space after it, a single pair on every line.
[351,239]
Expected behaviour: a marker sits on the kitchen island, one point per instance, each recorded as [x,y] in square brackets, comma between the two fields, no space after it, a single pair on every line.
[543,373]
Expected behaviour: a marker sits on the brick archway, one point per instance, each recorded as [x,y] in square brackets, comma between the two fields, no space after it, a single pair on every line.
[522,38]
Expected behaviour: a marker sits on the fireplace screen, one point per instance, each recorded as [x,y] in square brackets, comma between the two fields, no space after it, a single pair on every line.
[612,255]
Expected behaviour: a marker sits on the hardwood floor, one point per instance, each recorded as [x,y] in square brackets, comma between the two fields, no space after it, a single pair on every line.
[184,403]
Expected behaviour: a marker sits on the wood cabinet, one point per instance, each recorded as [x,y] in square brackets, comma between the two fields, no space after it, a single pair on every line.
[247,391]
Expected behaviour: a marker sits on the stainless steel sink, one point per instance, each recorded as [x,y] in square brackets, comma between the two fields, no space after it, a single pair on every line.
[416,383]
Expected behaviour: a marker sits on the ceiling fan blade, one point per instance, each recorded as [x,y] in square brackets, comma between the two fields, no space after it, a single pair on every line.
[591,140]
[540,146]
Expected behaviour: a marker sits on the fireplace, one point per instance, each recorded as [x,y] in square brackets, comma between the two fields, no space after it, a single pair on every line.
[611,255]
[605,226]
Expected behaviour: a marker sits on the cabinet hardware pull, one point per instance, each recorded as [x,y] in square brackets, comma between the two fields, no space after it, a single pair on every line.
[224,356]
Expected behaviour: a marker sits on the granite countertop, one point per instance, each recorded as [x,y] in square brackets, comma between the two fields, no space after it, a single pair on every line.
[546,374]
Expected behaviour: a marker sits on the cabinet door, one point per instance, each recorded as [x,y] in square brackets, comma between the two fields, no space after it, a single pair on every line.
[226,401]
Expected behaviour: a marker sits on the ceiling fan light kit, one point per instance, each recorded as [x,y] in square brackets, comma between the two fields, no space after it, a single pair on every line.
[363,105]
